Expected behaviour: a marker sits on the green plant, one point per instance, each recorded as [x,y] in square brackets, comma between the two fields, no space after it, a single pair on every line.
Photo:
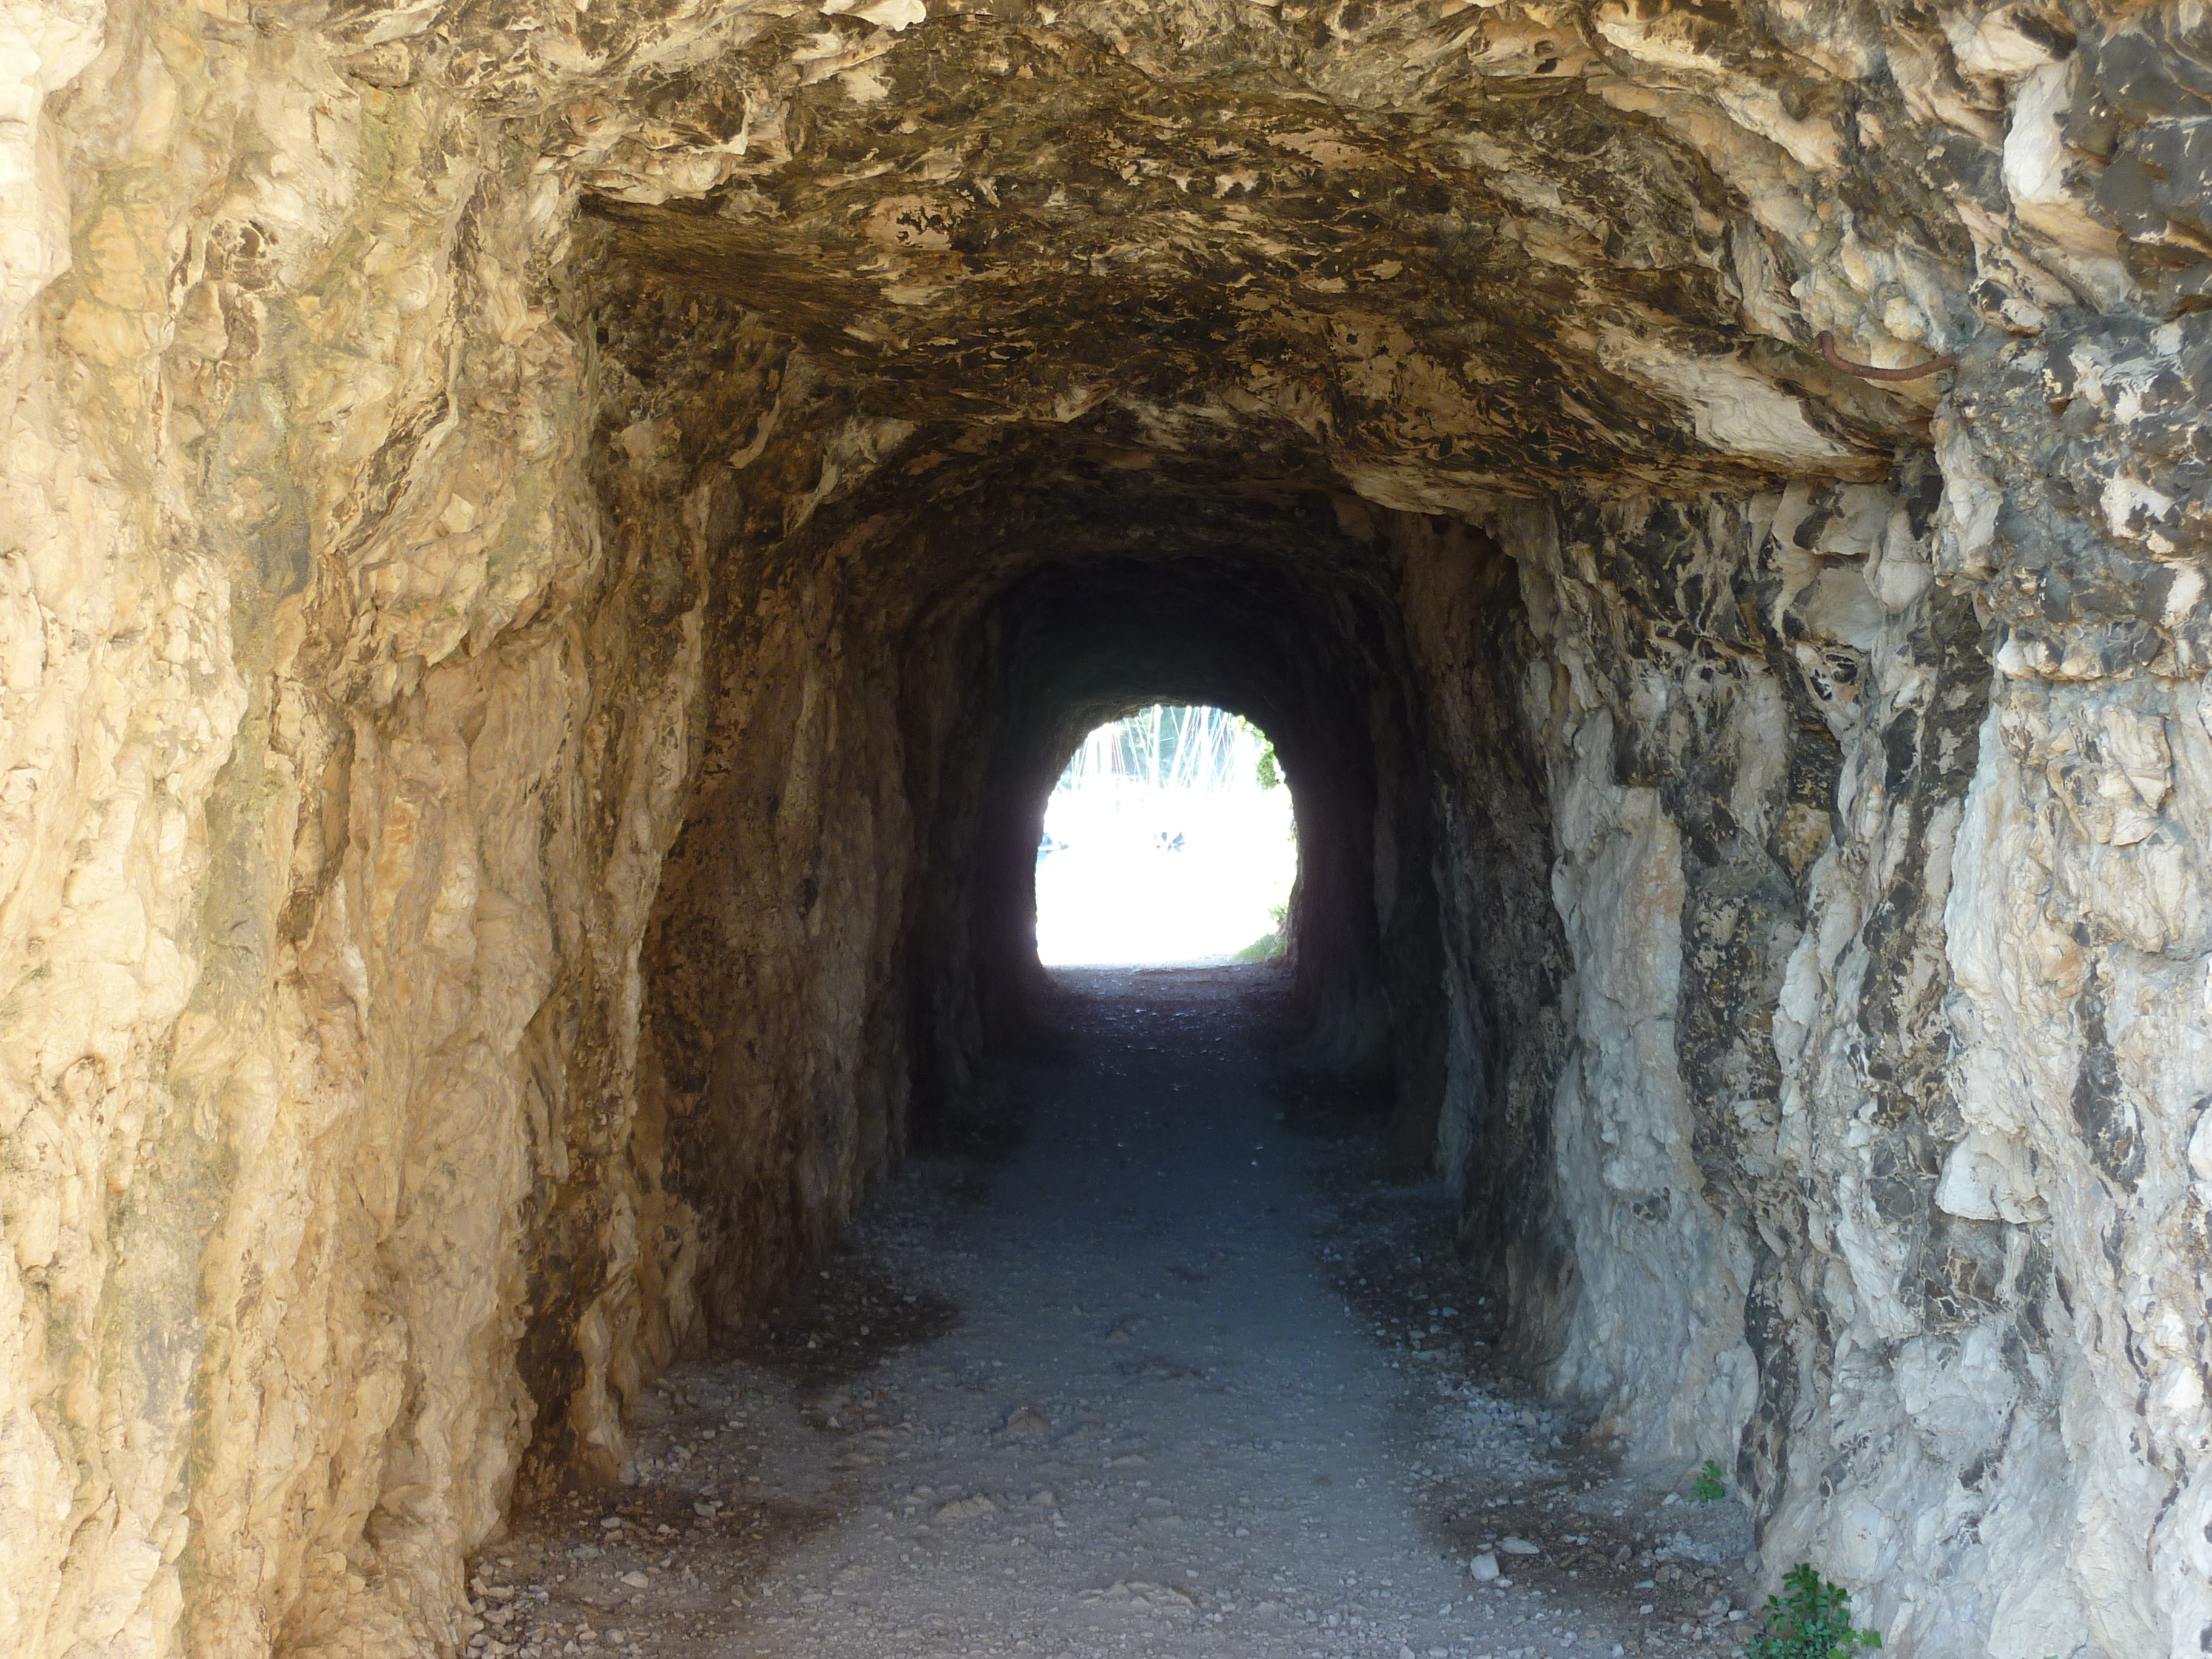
[1814,1623]
[1266,948]
[1709,1487]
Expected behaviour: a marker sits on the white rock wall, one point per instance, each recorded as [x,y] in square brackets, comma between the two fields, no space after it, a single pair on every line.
[1918,1255]
[1657,1327]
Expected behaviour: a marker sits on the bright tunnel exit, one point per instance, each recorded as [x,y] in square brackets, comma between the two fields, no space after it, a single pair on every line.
[1170,838]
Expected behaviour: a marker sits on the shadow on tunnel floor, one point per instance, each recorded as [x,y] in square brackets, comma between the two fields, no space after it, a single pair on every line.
[1229,1011]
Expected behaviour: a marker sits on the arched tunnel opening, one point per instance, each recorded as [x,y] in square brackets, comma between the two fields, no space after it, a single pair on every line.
[1078,641]
[1170,835]
[552,556]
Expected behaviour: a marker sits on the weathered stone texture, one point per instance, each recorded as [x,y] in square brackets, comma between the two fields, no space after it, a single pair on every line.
[547,551]
[1873,1141]
[348,733]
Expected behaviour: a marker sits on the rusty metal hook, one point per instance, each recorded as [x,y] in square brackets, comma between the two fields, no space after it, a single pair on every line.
[1826,342]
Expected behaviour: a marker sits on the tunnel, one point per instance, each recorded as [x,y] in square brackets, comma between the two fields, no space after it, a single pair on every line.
[552,553]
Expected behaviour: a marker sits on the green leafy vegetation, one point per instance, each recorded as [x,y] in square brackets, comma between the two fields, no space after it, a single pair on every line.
[1811,1620]
[1269,944]
[1710,1487]
[1269,770]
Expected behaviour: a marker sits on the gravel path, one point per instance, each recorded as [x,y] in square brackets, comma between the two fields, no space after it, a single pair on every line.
[1171,1376]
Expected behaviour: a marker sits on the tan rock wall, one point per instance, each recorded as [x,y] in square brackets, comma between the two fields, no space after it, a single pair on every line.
[346,731]
[778,964]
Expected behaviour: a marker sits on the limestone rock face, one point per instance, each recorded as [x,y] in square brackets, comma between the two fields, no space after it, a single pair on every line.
[548,553]
[1872,1143]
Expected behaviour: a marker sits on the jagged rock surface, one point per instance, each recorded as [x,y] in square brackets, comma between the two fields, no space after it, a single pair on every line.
[510,517]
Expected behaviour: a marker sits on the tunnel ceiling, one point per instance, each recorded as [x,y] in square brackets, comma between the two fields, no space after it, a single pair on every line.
[1434,251]
[1277,634]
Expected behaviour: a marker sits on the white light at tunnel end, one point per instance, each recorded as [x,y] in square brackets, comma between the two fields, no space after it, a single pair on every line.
[1164,845]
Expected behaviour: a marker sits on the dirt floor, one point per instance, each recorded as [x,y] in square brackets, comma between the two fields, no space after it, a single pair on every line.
[1156,1354]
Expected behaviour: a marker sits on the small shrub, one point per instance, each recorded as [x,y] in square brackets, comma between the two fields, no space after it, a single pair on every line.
[1814,1623]
[1266,948]
[1709,1487]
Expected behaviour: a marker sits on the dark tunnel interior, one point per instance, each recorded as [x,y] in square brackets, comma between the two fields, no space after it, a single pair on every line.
[1081,644]
[551,554]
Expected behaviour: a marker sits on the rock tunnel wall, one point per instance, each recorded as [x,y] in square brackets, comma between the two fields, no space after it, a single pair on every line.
[1804,1167]
[499,613]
